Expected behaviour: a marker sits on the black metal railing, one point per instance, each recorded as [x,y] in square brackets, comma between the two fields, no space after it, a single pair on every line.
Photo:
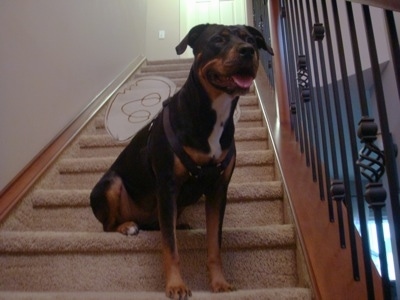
[342,65]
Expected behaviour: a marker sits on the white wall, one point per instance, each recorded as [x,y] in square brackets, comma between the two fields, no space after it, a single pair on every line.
[162,15]
[55,57]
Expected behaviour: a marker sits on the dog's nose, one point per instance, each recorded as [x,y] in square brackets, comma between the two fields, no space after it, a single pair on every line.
[246,51]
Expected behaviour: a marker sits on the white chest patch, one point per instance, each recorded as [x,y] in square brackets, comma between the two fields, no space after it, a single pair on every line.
[222,106]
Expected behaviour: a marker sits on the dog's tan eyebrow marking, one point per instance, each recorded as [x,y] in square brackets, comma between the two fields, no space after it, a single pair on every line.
[225,33]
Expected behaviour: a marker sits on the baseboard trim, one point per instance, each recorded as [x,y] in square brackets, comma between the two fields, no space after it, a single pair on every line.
[21,183]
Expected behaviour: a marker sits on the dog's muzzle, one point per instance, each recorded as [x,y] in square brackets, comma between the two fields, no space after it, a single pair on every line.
[238,72]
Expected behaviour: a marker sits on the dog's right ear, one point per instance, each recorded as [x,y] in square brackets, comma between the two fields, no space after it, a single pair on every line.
[190,38]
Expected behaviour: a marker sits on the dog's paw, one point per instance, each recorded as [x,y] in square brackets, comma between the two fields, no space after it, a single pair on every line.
[179,292]
[221,286]
[128,228]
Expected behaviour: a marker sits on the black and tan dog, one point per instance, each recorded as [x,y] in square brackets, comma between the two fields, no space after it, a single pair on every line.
[187,151]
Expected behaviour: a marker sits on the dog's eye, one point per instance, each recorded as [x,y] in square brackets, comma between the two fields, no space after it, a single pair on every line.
[217,39]
[250,40]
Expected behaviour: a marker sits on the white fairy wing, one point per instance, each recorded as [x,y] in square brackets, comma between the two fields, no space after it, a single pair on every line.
[136,104]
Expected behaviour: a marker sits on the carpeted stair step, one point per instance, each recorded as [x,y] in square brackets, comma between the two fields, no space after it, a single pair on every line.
[84,261]
[52,247]
[99,145]
[187,61]
[248,173]
[254,294]
[248,100]
[180,74]
[105,140]
[95,164]
[251,166]
[249,204]
[250,112]
[159,69]
[237,192]
[105,146]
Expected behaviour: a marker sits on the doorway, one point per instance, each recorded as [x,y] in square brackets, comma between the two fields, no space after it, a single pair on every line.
[194,12]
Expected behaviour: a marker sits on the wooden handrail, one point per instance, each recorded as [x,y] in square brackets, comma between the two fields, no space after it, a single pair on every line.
[22,183]
[385,4]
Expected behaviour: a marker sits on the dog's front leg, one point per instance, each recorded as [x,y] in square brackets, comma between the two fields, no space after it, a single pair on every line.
[175,287]
[215,210]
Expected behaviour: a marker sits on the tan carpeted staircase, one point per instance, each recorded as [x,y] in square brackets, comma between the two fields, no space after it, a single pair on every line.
[52,247]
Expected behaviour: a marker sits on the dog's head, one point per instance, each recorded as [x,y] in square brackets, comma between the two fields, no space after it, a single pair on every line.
[226,57]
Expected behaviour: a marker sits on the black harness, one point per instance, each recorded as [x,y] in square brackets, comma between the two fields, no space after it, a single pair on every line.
[194,169]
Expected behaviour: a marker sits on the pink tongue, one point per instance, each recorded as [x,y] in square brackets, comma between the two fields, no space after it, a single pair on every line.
[243,81]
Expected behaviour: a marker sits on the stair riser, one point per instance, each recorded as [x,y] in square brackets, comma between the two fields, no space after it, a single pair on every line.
[182,75]
[237,215]
[248,123]
[153,69]
[88,180]
[187,61]
[242,135]
[114,151]
[114,271]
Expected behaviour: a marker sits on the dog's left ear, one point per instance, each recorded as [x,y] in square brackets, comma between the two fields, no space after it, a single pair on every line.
[190,38]
[261,44]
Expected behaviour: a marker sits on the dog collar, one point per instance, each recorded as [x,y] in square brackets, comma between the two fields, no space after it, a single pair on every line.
[194,169]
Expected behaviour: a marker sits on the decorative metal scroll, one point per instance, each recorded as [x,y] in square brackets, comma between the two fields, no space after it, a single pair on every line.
[302,78]
[318,32]
[372,160]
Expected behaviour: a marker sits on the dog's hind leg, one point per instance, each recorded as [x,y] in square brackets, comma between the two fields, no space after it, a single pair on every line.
[105,201]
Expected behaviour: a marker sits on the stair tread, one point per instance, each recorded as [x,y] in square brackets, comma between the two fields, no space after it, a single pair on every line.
[251,294]
[158,69]
[249,112]
[260,256]
[170,61]
[270,236]
[104,139]
[181,74]
[97,164]
[80,197]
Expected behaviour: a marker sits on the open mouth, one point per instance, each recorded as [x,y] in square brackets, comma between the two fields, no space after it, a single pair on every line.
[243,81]
[232,83]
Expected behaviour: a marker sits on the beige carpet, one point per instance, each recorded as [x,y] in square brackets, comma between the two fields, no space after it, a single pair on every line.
[52,247]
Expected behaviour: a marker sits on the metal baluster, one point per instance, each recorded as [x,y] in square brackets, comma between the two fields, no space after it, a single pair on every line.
[394,45]
[295,108]
[301,107]
[318,33]
[363,124]
[339,120]
[352,135]
[394,205]
[388,145]
[338,195]
[312,129]
[375,195]
[289,67]
[333,162]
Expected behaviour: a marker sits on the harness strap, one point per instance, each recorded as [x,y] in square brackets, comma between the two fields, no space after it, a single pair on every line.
[194,169]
